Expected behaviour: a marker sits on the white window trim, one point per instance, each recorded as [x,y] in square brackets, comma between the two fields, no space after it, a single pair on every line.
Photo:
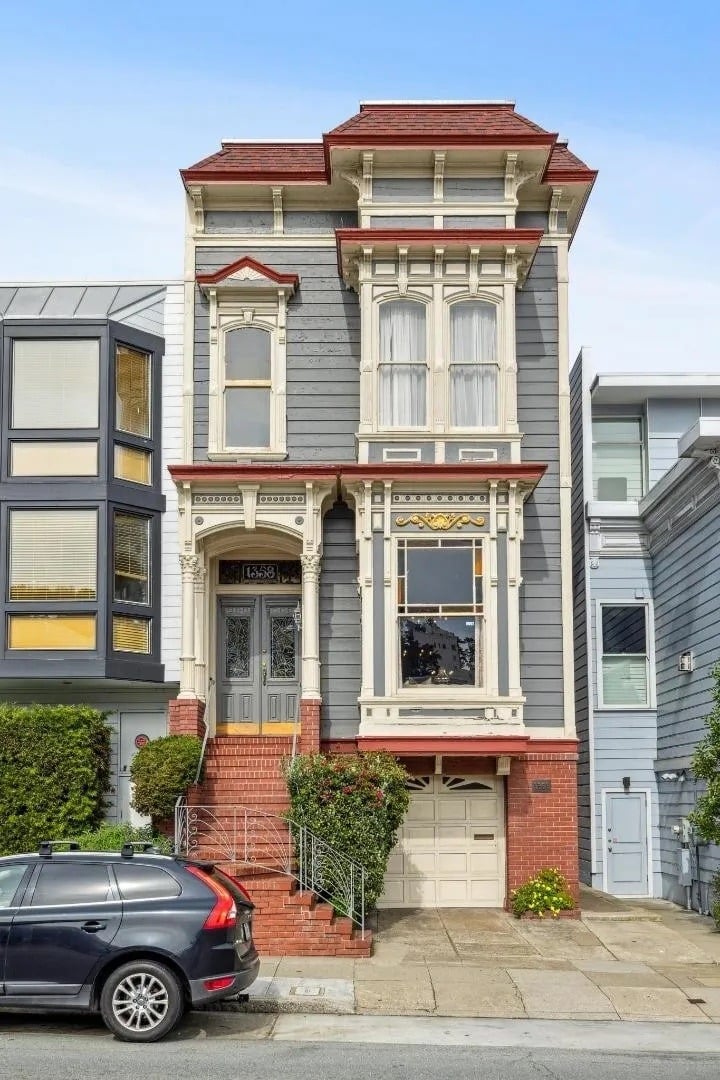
[649,664]
[263,314]
[440,694]
[438,299]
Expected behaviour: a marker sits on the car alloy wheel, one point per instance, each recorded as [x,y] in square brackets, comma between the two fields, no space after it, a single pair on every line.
[142,1001]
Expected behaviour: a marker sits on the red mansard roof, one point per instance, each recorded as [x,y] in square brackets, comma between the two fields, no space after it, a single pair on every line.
[478,123]
[389,124]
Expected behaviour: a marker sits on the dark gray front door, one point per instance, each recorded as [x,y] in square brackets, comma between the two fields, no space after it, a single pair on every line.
[626,841]
[258,665]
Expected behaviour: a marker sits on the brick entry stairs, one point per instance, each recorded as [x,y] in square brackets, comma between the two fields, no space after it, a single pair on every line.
[246,771]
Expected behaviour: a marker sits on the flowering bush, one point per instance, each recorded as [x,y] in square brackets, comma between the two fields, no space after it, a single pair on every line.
[355,802]
[546,893]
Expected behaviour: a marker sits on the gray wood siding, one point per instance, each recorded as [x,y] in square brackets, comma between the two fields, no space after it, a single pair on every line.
[402,189]
[474,221]
[667,421]
[323,354]
[541,658]
[531,219]
[582,720]
[340,632]
[625,740]
[241,221]
[395,221]
[474,189]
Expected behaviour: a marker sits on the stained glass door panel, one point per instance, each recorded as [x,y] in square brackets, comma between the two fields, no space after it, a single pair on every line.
[281,660]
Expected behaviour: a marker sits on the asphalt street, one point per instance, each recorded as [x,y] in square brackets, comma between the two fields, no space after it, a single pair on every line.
[261,1048]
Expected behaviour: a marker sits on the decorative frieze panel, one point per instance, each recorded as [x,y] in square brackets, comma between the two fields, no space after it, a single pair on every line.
[431,498]
[439,522]
[217,500]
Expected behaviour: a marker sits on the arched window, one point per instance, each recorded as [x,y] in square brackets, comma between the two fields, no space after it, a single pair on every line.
[403,364]
[473,364]
[248,386]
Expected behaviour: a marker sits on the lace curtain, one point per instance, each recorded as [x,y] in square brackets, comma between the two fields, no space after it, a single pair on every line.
[473,364]
[403,370]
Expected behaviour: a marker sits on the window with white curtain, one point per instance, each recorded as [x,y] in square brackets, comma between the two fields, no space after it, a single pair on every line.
[403,364]
[473,364]
[625,656]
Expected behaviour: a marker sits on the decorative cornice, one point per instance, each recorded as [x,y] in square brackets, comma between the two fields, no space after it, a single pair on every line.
[248,270]
[440,522]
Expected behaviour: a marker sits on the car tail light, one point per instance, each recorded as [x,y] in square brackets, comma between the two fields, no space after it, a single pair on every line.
[224,914]
[219,984]
[241,888]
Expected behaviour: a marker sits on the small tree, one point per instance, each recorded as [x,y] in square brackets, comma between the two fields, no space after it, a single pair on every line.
[161,770]
[706,766]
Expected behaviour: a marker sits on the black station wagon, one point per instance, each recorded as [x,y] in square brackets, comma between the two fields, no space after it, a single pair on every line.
[137,936]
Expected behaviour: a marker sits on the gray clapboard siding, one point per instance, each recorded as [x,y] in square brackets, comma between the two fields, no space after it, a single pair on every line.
[474,221]
[667,421]
[540,604]
[323,350]
[240,221]
[474,189]
[582,717]
[399,221]
[531,219]
[340,633]
[318,221]
[402,189]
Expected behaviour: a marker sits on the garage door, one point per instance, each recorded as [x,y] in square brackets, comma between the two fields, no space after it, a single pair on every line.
[451,848]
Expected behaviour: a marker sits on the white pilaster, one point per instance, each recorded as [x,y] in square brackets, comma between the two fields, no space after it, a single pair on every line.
[199,577]
[189,566]
[310,624]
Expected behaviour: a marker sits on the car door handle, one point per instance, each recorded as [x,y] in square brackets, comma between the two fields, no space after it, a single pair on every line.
[93,926]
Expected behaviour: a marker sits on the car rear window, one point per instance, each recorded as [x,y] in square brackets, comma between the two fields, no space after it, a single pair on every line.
[71,883]
[138,882]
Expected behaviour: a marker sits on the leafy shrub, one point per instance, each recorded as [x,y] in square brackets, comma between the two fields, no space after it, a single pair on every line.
[356,803]
[546,893]
[706,766]
[54,773]
[112,838]
[163,769]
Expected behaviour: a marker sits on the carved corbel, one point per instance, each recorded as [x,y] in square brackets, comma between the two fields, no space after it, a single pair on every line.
[522,266]
[510,169]
[555,198]
[474,276]
[438,176]
[213,316]
[439,259]
[522,176]
[196,198]
[278,227]
[354,177]
[367,172]
[402,271]
[249,502]
[282,316]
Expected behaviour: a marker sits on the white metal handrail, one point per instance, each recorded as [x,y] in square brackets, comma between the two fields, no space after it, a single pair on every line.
[226,832]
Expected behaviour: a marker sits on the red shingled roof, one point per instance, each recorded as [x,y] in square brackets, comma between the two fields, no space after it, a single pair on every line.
[565,166]
[262,161]
[437,121]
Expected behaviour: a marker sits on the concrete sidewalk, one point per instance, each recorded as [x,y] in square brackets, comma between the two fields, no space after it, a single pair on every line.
[643,960]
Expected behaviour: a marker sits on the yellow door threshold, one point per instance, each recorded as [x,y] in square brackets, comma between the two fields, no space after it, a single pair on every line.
[256,729]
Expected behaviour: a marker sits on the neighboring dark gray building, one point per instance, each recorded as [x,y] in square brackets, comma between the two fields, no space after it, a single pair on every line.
[87,616]
[375,490]
[646,503]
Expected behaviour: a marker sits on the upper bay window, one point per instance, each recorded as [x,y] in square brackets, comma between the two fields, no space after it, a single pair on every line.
[473,364]
[440,613]
[247,393]
[55,383]
[618,459]
[403,364]
[132,391]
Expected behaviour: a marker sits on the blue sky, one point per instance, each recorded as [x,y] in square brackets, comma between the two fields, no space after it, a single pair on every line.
[102,103]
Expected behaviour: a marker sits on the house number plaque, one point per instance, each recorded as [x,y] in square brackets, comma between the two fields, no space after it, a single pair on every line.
[237,572]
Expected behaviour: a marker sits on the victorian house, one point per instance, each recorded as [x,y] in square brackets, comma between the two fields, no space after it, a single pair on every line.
[374,494]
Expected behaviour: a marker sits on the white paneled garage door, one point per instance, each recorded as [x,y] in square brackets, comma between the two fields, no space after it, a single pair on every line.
[451,848]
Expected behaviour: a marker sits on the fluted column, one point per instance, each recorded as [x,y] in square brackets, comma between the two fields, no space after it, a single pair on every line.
[310,625]
[200,609]
[189,567]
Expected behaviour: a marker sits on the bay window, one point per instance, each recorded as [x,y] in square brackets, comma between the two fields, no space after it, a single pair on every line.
[131,558]
[403,364]
[440,612]
[53,555]
[473,364]
[55,383]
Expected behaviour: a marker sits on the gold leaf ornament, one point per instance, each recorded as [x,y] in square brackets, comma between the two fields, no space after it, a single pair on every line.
[440,522]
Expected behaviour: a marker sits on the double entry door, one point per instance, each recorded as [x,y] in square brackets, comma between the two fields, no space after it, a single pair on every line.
[259,665]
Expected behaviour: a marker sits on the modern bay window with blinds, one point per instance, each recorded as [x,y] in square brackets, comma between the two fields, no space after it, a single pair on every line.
[470,364]
[81,498]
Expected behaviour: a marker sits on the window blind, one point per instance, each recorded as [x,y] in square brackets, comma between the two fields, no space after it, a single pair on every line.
[55,384]
[131,635]
[132,391]
[131,554]
[53,554]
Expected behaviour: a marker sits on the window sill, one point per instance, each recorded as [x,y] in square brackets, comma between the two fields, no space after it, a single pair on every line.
[246,456]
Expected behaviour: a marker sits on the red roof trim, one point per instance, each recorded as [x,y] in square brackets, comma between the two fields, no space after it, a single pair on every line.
[254,176]
[443,237]
[234,474]
[439,139]
[569,176]
[253,264]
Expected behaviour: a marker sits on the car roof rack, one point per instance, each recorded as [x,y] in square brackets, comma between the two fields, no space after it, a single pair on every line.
[128,849]
[48,846]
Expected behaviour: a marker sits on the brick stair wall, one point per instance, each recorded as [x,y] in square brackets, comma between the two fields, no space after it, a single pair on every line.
[247,771]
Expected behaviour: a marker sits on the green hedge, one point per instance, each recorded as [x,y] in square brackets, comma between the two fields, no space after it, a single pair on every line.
[54,773]
[355,802]
[112,838]
[161,770]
